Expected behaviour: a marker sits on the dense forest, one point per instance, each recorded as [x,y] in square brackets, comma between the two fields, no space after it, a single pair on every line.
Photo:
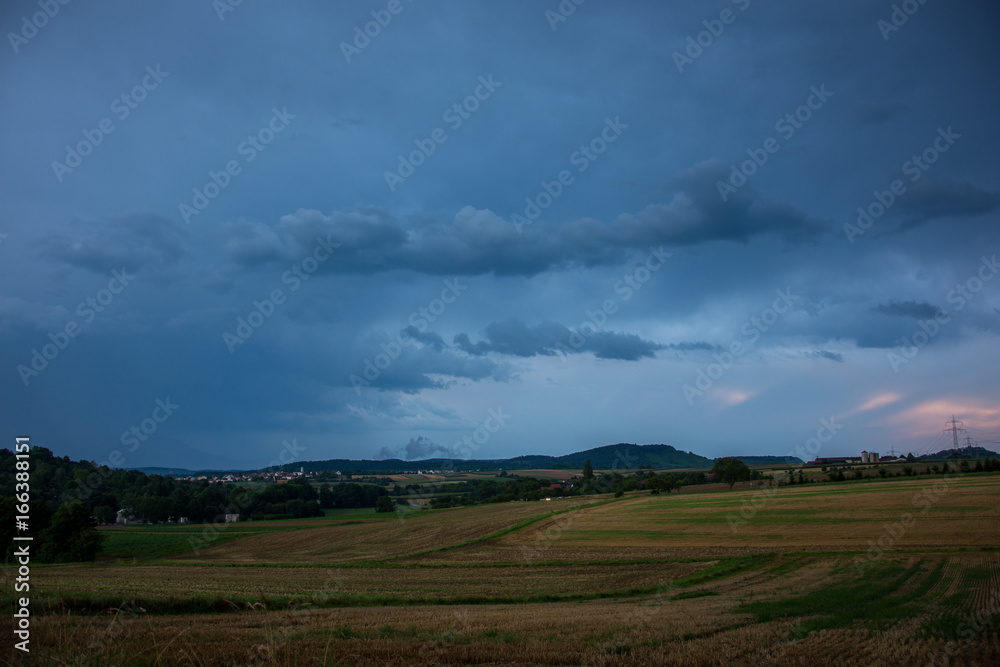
[67,493]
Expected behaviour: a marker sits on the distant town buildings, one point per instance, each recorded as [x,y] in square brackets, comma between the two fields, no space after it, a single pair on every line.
[274,477]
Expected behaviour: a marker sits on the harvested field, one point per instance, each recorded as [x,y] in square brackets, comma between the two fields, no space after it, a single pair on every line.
[942,514]
[366,540]
[284,586]
[729,615]
[636,581]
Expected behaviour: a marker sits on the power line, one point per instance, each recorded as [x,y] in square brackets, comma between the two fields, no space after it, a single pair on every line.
[948,438]
[954,430]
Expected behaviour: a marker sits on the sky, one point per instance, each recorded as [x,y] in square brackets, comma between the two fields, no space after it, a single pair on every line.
[238,234]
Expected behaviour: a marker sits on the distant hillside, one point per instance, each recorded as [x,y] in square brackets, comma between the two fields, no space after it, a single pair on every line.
[622,455]
[625,455]
[769,460]
[960,453]
[182,472]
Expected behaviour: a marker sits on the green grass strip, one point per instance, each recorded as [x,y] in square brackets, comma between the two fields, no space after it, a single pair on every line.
[95,604]
[872,601]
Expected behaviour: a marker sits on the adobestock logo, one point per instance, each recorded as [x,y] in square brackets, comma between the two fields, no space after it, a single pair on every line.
[910,346]
[37,21]
[470,444]
[248,149]
[419,319]
[563,11]
[751,330]
[454,116]
[706,38]
[914,168]
[381,18]
[585,155]
[122,106]
[627,287]
[901,13]
[264,309]
[787,126]
[147,427]
[87,310]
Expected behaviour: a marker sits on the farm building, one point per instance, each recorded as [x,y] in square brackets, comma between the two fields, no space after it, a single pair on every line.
[835,460]
[232,518]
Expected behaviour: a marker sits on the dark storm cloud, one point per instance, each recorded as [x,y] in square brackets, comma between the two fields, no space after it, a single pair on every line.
[933,198]
[252,244]
[918,310]
[428,338]
[416,369]
[513,337]
[479,241]
[627,347]
[698,214]
[826,354]
[134,241]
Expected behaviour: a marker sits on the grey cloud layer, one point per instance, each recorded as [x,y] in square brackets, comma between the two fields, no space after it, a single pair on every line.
[513,337]
[479,241]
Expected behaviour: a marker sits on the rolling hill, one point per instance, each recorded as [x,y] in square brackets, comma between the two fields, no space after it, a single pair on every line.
[960,453]
[621,455]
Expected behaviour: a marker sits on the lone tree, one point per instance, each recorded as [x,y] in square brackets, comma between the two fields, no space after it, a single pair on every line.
[669,482]
[588,470]
[654,484]
[731,470]
[385,504]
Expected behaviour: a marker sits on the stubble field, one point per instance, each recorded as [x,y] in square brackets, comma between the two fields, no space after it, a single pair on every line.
[895,572]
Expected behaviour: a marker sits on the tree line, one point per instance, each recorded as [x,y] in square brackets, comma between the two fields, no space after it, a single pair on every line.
[69,499]
[480,491]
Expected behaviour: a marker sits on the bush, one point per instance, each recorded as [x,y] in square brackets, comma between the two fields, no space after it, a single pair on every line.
[72,535]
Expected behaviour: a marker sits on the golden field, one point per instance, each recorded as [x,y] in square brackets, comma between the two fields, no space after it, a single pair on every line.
[895,572]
